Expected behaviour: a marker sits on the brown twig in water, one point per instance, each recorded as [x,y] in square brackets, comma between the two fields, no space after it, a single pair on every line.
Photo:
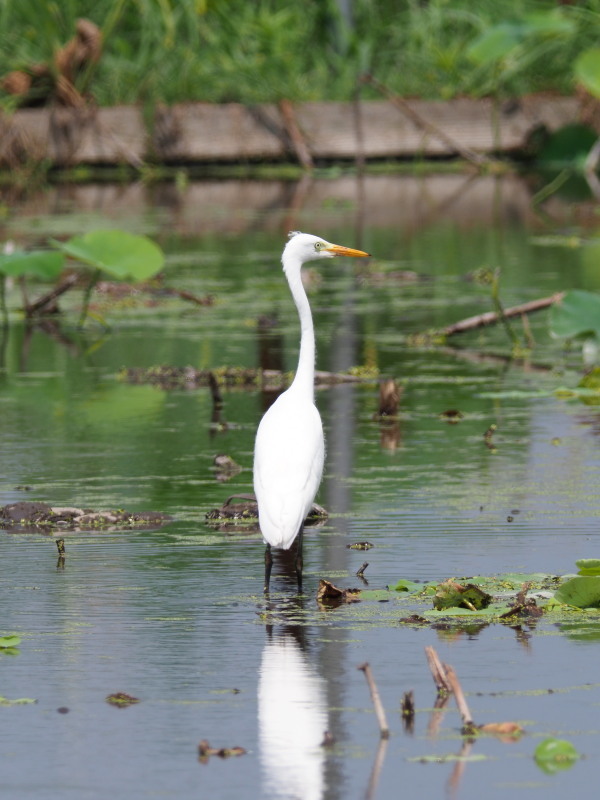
[488,437]
[45,300]
[469,726]
[215,393]
[492,317]
[60,546]
[407,709]
[377,705]
[438,672]
[360,572]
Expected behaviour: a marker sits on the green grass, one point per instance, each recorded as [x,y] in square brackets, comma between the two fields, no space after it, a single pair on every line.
[235,50]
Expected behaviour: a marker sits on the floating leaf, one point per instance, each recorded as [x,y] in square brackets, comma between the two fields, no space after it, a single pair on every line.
[43,264]
[577,314]
[9,641]
[205,751]
[124,256]
[404,585]
[329,594]
[509,731]
[588,566]
[121,700]
[591,380]
[553,755]
[581,592]
[20,701]
[451,594]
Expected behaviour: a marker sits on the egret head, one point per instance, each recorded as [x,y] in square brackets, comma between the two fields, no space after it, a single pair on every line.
[303,247]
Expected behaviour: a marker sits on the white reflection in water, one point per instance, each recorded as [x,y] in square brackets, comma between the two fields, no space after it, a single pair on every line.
[292,718]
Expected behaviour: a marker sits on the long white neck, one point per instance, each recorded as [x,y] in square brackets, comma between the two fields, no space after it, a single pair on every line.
[305,374]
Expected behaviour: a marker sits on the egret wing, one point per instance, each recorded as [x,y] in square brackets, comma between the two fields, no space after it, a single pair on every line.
[288,465]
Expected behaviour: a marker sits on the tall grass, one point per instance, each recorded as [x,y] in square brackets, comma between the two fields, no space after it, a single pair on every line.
[263,50]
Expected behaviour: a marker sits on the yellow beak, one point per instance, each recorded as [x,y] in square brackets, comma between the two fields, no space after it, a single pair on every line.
[340,250]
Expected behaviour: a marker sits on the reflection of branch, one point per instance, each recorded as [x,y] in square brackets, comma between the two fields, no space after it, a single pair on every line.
[437,715]
[376,771]
[491,317]
[460,766]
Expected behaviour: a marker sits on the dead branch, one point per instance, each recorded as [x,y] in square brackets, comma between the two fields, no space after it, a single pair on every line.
[437,671]
[401,104]
[384,731]
[299,144]
[42,303]
[461,702]
[492,317]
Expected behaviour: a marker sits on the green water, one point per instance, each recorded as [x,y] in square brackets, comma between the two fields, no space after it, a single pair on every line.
[175,616]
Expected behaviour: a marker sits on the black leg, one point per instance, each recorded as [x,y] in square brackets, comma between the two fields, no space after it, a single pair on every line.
[268,567]
[299,559]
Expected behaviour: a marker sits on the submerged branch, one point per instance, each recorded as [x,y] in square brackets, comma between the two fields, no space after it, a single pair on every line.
[46,301]
[170,377]
[493,317]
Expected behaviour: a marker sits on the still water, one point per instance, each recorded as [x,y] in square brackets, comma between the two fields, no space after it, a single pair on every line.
[175,616]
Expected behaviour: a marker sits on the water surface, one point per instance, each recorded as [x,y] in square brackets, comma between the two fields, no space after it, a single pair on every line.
[175,616]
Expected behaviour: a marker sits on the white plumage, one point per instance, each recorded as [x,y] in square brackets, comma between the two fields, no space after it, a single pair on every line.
[290,448]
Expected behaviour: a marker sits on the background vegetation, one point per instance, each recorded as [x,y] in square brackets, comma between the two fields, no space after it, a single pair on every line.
[235,50]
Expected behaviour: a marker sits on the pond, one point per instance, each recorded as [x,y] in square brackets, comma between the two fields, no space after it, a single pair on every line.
[175,617]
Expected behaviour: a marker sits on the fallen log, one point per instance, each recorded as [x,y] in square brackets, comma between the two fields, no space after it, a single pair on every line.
[492,317]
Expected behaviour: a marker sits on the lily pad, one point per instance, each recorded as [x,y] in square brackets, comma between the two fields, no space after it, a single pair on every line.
[9,642]
[588,566]
[407,586]
[553,755]
[125,256]
[42,264]
[577,314]
[121,700]
[20,701]
[581,592]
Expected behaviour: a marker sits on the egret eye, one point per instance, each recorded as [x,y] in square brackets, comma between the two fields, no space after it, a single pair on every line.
[319,245]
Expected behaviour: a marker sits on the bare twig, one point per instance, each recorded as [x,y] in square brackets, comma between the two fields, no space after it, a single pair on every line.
[298,141]
[377,705]
[389,398]
[407,708]
[361,572]
[46,299]
[401,104]
[461,702]
[492,317]
[437,671]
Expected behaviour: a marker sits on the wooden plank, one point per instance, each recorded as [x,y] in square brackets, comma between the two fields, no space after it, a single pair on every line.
[202,132]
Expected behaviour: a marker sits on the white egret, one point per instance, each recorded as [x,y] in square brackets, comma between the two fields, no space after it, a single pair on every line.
[290,448]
